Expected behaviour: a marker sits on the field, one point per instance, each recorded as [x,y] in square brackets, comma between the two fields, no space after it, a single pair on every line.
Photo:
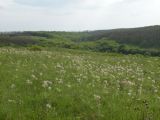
[61,84]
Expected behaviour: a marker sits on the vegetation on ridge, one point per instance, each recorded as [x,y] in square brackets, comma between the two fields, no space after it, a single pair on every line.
[145,40]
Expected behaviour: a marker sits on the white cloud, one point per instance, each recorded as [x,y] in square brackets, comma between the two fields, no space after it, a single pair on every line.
[5,3]
[79,15]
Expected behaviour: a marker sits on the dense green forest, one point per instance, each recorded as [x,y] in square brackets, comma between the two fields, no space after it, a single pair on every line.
[144,40]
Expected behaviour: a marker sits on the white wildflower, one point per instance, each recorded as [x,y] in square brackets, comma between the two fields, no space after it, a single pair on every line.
[158,97]
[97,97]
[46,83]
[129,94]
[155,90]
[33,76]
[13,86]
[106,82]
[29,82]
[48,106]
[11,101]
[40,74]
[68,85]
[49,88]
[60,81]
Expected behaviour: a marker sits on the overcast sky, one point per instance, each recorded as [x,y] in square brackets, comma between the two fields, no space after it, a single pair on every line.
[77,15]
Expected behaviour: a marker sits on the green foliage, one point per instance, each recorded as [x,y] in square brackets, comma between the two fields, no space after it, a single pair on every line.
[35,48]
[145,41]
[145,37]
[105,45]
[6,40]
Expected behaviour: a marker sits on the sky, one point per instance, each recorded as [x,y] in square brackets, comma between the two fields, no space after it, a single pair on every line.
[77,15]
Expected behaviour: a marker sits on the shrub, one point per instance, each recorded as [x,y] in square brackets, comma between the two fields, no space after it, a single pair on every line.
[35,48]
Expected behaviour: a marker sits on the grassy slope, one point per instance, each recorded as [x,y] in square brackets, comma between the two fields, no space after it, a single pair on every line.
[80,85]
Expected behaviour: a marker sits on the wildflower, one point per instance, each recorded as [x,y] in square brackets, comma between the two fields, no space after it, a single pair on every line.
[59,66]
[48,56]
[78,80]
[33,76]
[153,81]
[40,74]
[106,82]
[11,101]
[58,90]
[13,86]
[68,85]
[123,61]
[48,106]
[129,93]
[158,98]
[46,84]
[45,66]
[60,81]
[29,82]
[140,90]
[155,90]
[139,79]
[97,97]
[49,88]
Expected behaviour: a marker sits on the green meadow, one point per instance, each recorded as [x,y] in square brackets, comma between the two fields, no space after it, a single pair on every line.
[63,84]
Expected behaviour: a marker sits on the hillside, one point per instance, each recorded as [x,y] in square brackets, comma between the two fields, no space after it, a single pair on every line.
[144,40]
[53,75]
[147,37]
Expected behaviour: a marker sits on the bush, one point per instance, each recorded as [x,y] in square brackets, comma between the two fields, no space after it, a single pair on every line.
[35,48]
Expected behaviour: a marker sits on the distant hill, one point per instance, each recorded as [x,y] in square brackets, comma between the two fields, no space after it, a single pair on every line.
[143,40]
[146,37]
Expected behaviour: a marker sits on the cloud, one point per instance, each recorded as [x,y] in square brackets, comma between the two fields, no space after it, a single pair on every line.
[77,14]
[66,3]
[4,3]
[1,7]
[43,3]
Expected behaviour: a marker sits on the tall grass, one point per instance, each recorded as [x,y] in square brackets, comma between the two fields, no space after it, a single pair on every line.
[70,85]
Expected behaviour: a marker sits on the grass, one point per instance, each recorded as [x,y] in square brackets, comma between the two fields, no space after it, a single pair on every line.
[62,84]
